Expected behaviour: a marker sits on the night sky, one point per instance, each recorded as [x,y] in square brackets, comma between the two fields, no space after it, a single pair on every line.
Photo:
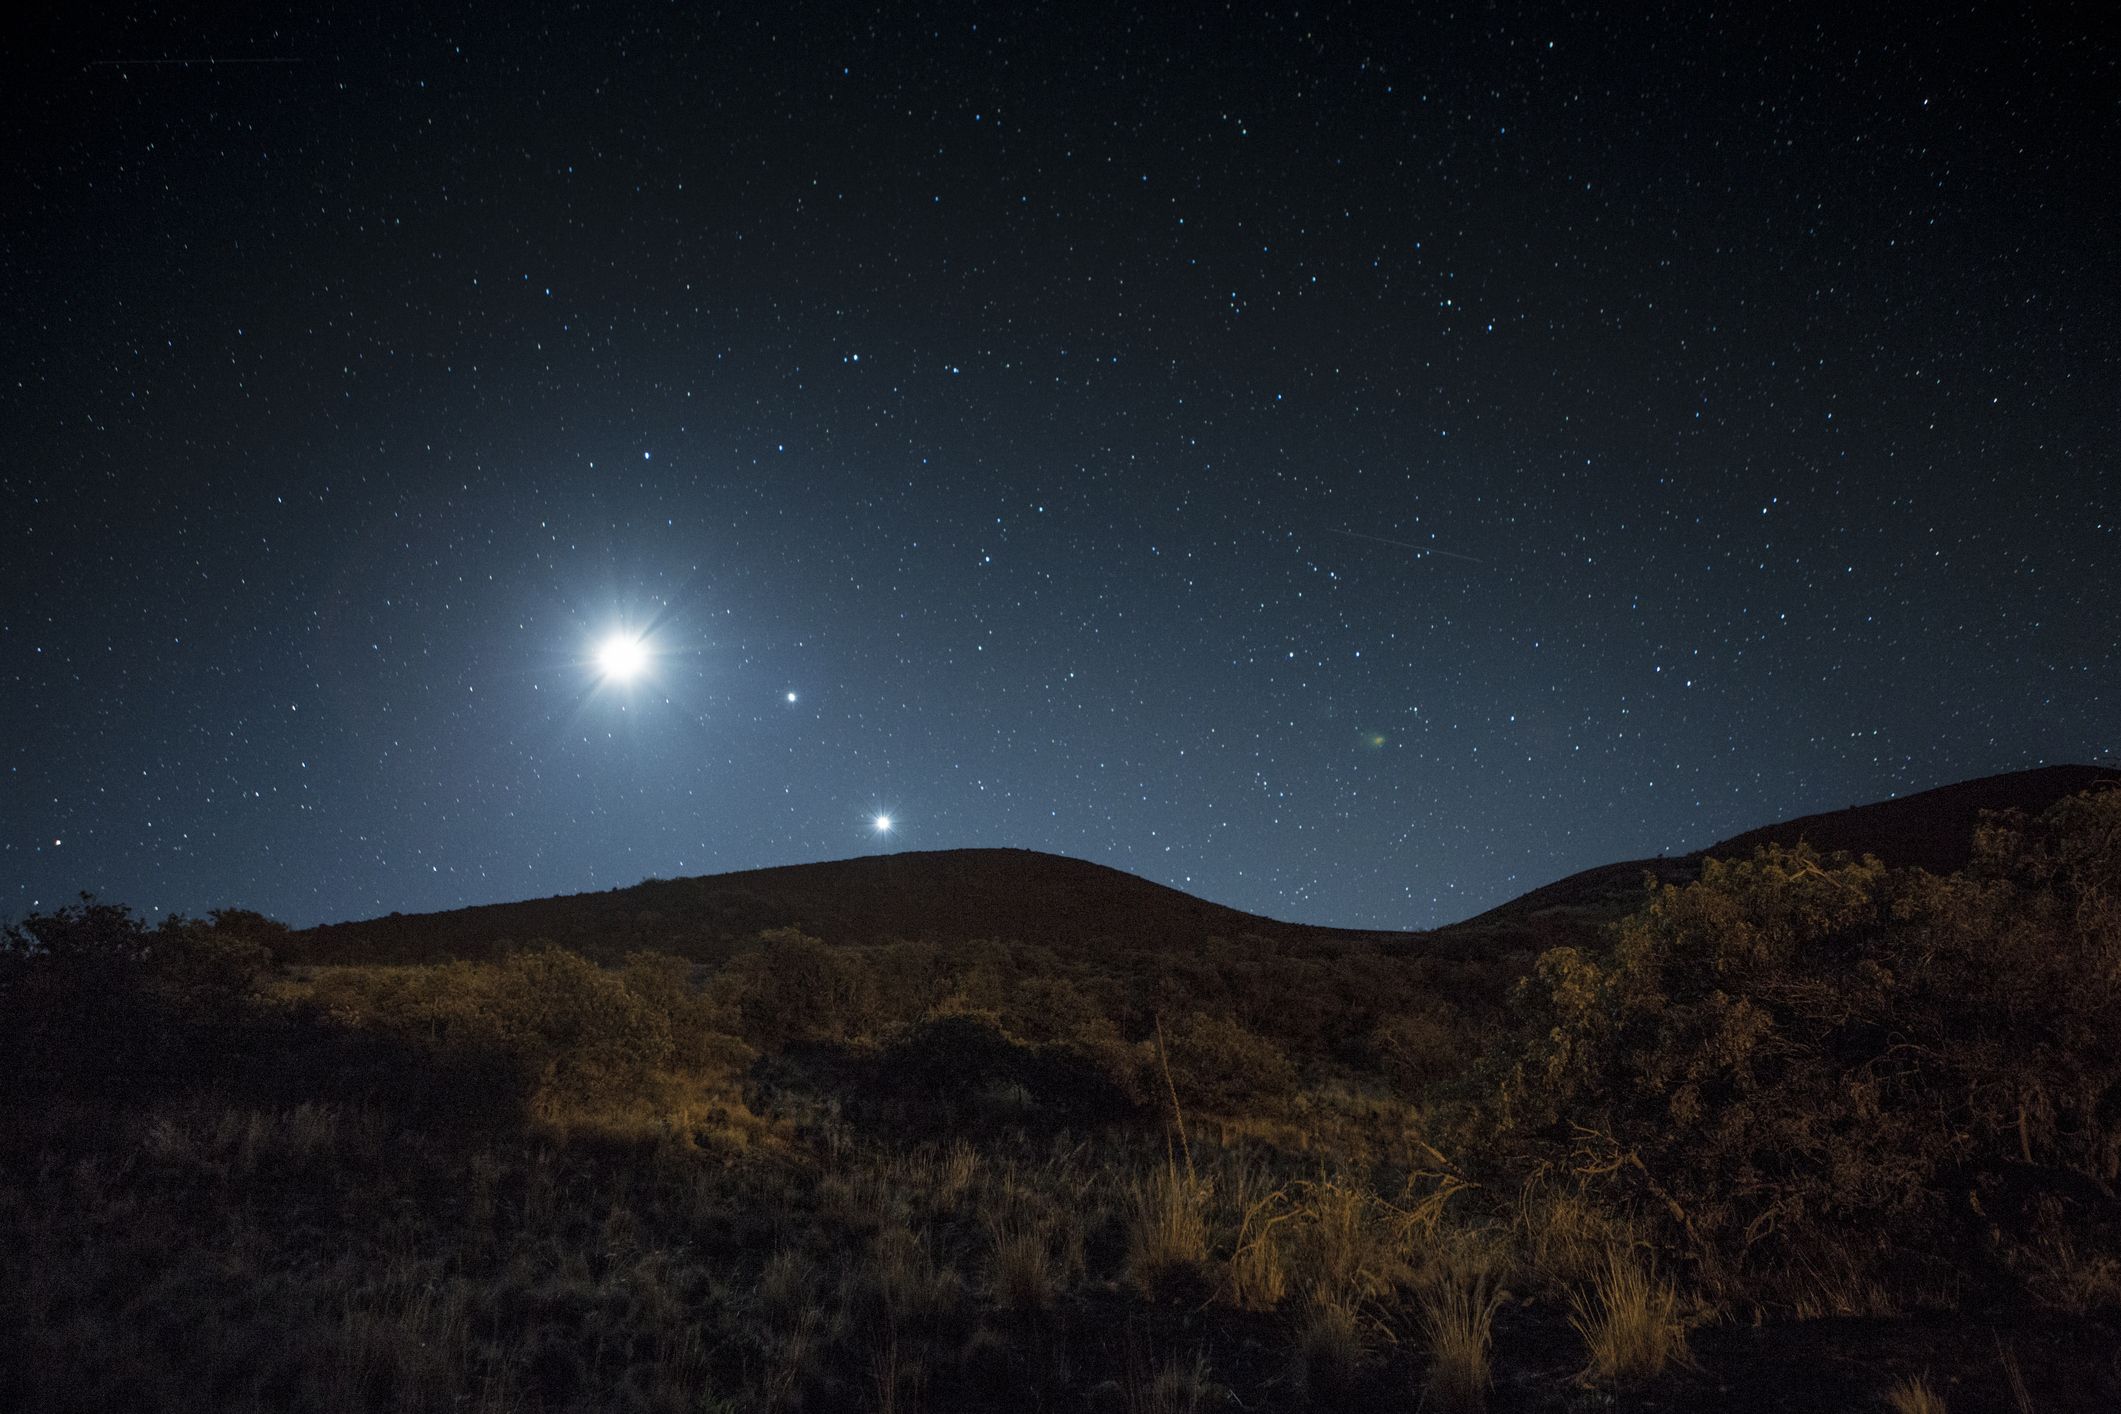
[1351,465]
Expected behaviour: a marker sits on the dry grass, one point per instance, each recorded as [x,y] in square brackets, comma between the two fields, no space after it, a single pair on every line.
[1256,1276]
[1458,1322]
[412,1348]
[676,1250]
[2062,1278]
[1332,1345]
[1024,1280]
[1913,1395]
[1627,1316]
[1175,1386]
[2014,1377]
[784,1288]
[1351,1243]
[1564,1235]
[1167,1227]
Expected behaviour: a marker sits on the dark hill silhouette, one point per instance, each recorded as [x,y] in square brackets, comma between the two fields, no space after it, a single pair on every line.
[1932,829]
[929,895]
[1026,896]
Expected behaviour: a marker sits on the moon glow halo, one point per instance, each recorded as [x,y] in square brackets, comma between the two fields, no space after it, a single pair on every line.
[621,657]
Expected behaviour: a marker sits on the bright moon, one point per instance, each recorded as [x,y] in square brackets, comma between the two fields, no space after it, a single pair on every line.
[622,657]
[883,824]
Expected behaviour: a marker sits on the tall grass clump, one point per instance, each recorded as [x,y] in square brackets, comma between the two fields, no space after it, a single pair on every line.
[1331,1346]
[1458,1322]
[1256,1276]
[1627,1316]
[1563,1233]
[1351,1242]
[1024,1280]
[1173,1387]
[1167,1227]
[1912,1395]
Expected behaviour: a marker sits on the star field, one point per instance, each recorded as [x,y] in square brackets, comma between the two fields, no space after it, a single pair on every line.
[1351,465]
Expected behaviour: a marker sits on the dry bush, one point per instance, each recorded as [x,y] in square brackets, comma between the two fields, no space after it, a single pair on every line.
[579,1039]
[1913,1395]
[1414,1049]
[679,1377]
[1628,1319]
[1791,1066]
[1167,1227]
[902,1270]
[1458,1322]
[1219,1066]
[794,987]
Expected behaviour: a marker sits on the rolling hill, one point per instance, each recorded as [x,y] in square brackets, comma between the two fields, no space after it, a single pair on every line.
[932,895]
[1027,896]
[1931,830]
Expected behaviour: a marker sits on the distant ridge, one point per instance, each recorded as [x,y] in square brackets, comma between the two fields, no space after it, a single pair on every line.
[953,896]
[925,895]
[1931,829]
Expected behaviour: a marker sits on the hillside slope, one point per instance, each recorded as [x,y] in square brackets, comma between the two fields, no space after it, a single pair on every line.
[930,895]
[1024,895]
[1932,829]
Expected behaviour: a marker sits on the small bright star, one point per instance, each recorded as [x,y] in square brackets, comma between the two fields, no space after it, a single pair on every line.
[791,697]
[622,656]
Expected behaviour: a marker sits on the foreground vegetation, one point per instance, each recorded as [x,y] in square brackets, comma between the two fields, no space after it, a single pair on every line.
[1807,1133]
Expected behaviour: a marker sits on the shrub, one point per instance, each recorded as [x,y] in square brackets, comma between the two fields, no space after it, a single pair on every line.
[576,1035]
[700,1028]
[582,1038]
[793,987]
[1802,1065]
[1220,1066]
[204,972]
[963,1067]
[1417,1048]
[89,993]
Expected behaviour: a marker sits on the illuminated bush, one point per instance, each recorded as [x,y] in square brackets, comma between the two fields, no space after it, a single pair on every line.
[577,1035]
[1219,1065]
[794,987]
[1812,1068]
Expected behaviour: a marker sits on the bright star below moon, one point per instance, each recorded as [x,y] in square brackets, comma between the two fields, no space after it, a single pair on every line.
[882,824]
[621,657]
